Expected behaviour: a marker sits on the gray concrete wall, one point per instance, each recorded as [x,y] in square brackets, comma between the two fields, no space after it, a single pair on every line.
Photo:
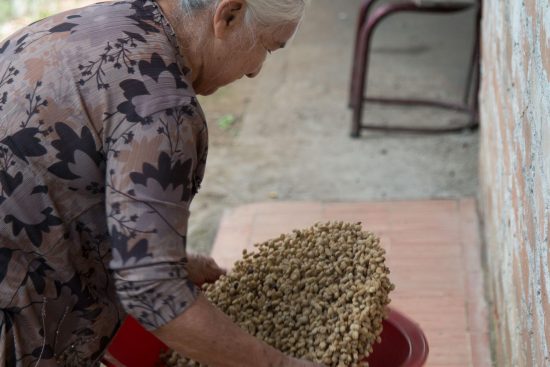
[515,176]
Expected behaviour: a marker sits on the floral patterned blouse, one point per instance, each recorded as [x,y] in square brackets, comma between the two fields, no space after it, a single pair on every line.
[102,148]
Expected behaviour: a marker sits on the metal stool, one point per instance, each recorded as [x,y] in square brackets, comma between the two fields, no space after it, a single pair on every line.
[365,27]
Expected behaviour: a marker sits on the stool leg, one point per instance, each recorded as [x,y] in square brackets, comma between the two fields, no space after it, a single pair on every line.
[362,59]
[477,74]
[474,103]
[362,17]
[470,76]
[471,94]
[474,60]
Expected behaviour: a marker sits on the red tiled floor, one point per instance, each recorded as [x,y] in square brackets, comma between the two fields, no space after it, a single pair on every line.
[433,252]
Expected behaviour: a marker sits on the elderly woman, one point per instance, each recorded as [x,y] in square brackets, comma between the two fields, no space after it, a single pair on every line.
[102,148]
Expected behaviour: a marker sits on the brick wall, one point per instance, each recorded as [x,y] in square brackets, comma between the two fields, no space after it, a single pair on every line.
[515,176]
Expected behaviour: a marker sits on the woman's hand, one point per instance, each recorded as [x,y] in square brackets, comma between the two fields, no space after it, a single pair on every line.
[205,334]
[203,269]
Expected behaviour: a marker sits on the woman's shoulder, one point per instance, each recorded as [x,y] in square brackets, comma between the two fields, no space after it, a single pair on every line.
[101,27]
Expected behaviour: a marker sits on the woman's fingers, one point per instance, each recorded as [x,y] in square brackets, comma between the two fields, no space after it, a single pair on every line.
[212,270]
[203,269]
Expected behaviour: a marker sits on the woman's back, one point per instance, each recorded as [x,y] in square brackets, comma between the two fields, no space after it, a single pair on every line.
[102,146]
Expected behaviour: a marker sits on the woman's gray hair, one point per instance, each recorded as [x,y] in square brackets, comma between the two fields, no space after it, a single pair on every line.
[264,12]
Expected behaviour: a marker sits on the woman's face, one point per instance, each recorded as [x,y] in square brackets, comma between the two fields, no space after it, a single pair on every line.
[237,51]
[244,57]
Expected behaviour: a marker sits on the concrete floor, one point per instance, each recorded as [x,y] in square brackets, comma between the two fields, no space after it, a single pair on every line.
[292,139]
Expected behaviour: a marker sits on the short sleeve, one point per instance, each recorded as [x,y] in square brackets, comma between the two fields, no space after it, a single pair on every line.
[151,178]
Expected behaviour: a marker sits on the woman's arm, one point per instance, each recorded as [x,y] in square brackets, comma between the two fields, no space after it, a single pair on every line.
[205,334]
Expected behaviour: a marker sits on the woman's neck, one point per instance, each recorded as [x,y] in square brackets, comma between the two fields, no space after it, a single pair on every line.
[190,37]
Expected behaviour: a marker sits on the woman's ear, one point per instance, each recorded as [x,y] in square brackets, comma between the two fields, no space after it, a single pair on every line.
[229,15]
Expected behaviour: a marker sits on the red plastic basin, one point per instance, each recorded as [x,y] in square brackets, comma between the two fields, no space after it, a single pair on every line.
[403,345]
